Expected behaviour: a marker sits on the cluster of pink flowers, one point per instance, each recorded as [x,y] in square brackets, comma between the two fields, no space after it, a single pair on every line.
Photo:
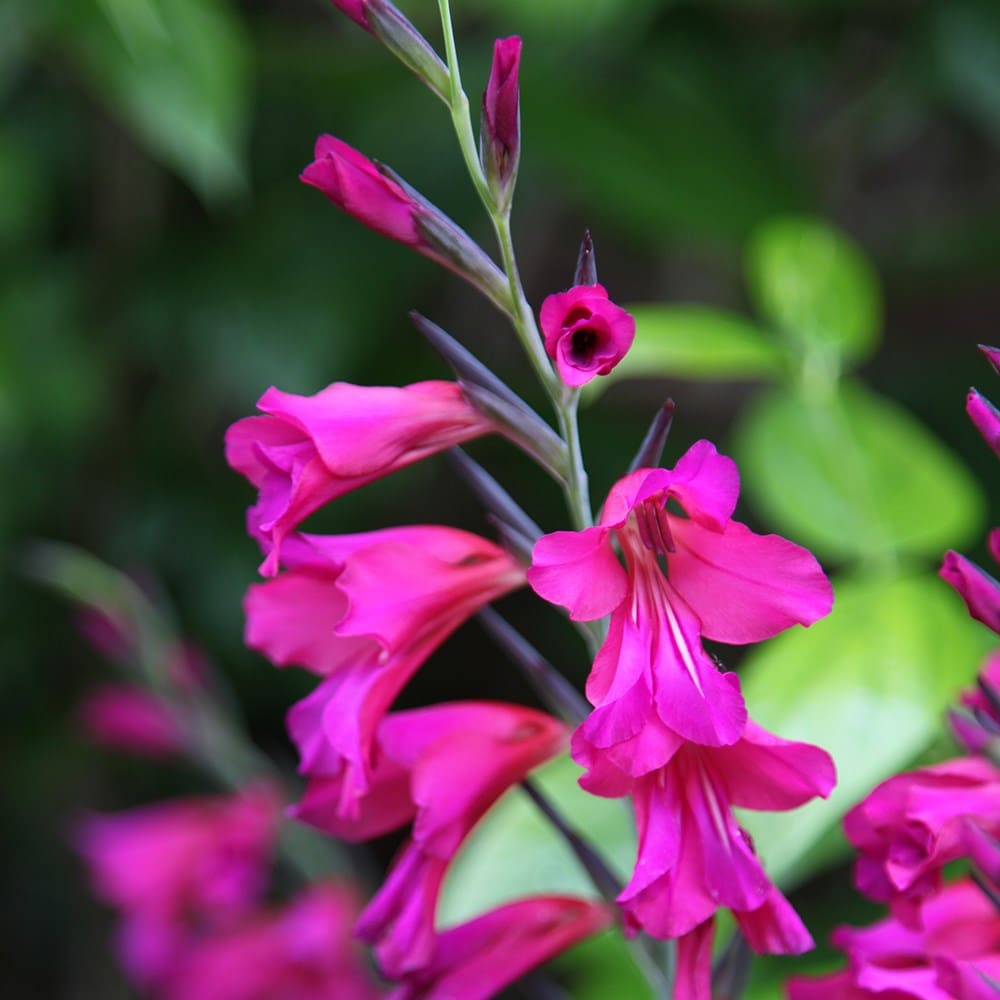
[364,612]
[941,940]
[188,880]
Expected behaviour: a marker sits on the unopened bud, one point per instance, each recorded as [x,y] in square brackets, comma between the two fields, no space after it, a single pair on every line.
[500,127]
[586,263]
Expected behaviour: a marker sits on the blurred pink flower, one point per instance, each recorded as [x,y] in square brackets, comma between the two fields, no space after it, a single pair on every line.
[951,954]
[309,450]
[976,725]
[690,574]
[366,611]
[443,767]
[585,333]
[178,867]
[913,824]
[302,951]
[476,960]
[693,857]
[125,717]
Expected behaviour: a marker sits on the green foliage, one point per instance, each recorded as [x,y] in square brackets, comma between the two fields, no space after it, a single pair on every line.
[869,684]
[854,475]
[815,286]
[694,342]
[178,72]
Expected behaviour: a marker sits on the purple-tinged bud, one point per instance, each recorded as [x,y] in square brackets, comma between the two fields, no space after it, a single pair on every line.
[586,263]
[375,196]
[651,450]
[500,128]
[356,10]
[992,355]
[986,418]
[382,19]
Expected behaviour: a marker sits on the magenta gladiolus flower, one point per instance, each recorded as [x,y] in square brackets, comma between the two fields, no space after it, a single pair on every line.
[693,857]
[460,759]
[652,678]
[178,867]
[585,333]
[366,611]
[977,724]
[476,960]
[444,767]
[913,824]
[952,953]
[309,450]
[979,590]
[303,951]
[125,717]
[501,125]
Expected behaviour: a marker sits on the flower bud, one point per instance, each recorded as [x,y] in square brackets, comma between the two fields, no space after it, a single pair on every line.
[382,19]
[381,200]
[500,128]
[585,333]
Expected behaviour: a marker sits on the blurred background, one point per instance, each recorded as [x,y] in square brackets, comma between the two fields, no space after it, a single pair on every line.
[162,266]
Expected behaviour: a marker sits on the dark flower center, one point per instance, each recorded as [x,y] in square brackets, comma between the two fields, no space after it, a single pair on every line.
[582,344]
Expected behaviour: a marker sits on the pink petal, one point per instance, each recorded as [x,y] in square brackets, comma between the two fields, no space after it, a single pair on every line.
[986,418]
[975,586]
[745,587]
[578,571]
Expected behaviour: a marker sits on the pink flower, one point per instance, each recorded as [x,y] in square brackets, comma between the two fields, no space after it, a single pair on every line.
[179,866]
[443,767]
[303,951]
[585,333]
[309,450]
[652,678]
[366,611]
[913,824]
[975,586]
[125,717]
[501,128]
[476,960]
[956,941]
[693,857]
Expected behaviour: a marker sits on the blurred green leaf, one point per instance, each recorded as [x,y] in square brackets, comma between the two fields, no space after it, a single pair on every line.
[816,286]
[24,197]
[853,475]
[178,72]
[515,839]
[694,342]
[869,684]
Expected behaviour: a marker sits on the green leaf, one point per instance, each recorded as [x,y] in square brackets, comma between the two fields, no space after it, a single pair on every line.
[694,342]
[514,852]
[869,684]
[178,73]
[815,285]
[853,475]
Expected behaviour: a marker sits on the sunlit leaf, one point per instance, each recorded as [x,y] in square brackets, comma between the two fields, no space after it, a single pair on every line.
[853,475]
[869,684]
[514,852]
[177,71]
[814,285]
